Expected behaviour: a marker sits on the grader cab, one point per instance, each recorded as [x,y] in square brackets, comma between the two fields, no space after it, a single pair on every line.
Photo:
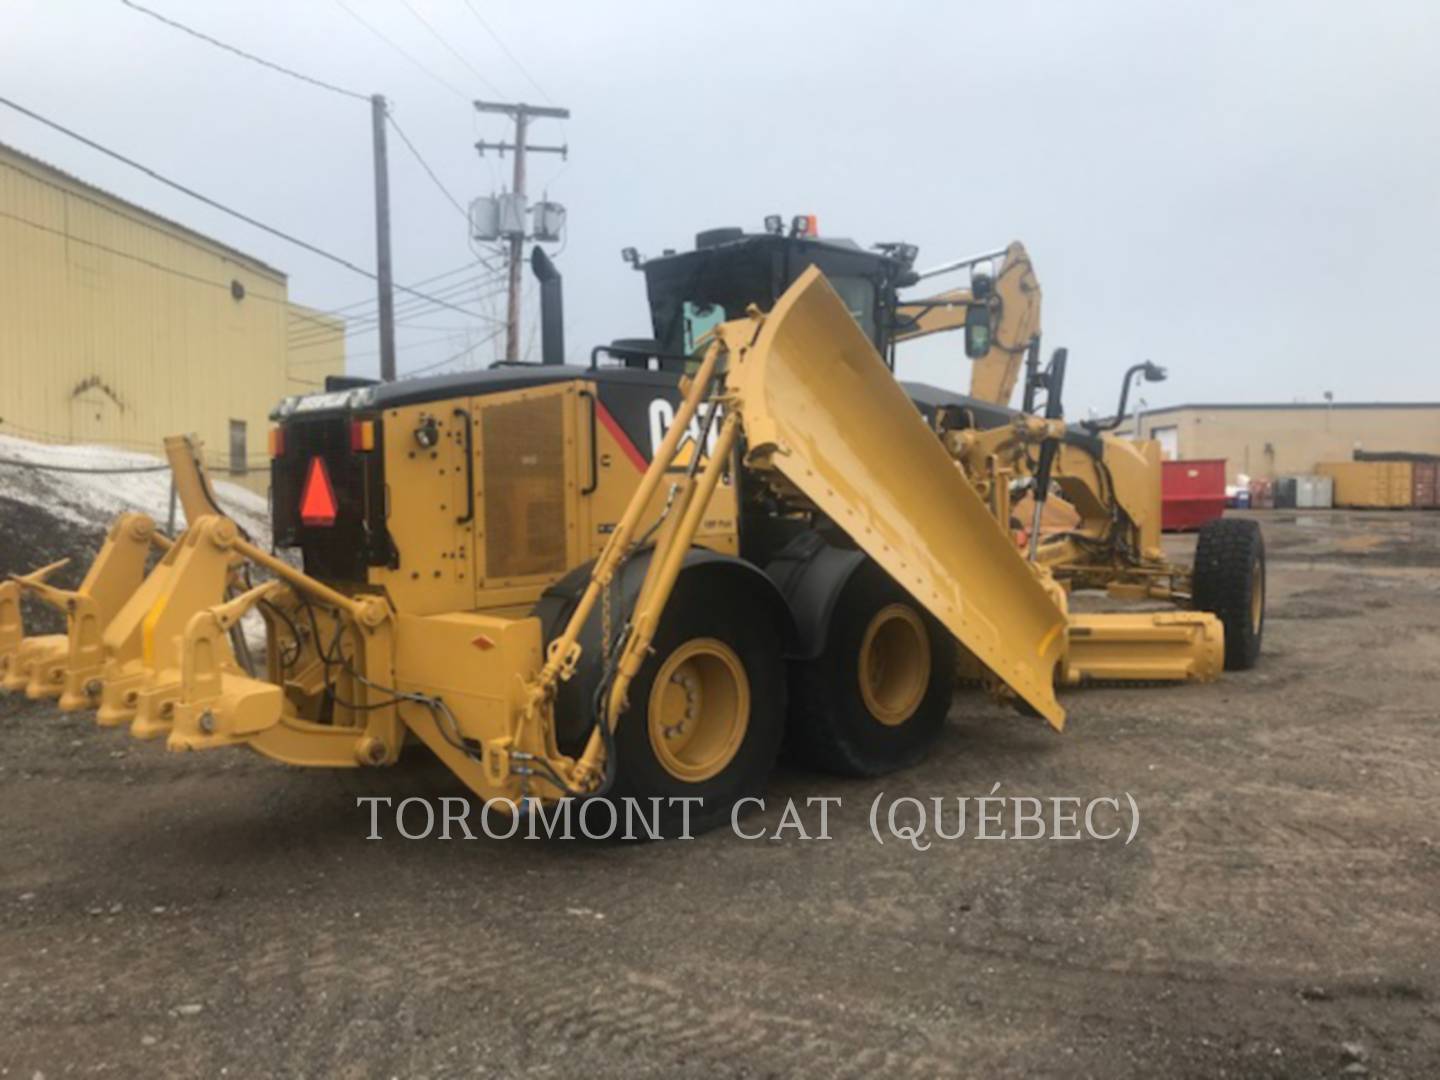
[596,582]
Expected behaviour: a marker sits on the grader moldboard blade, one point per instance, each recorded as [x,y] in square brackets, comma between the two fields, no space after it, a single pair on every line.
[821,408]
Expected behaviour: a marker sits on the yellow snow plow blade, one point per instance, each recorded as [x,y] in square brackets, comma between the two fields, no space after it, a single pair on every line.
[821,408]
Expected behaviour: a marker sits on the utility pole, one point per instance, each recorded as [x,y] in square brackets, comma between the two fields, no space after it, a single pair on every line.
[384,281]
[521,114]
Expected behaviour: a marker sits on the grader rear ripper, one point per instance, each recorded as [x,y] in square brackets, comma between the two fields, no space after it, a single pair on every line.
[494,565]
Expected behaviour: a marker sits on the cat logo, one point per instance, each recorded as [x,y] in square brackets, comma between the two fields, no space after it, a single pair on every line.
[662,415]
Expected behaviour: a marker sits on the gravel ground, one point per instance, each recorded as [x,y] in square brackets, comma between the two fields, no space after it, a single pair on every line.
[1277,915]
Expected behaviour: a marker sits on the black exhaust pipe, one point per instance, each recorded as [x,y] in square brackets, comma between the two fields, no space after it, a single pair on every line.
[552,308]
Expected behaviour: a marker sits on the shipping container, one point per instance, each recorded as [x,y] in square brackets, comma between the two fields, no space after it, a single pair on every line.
[1425,485]
[1371,484]
[1192,493]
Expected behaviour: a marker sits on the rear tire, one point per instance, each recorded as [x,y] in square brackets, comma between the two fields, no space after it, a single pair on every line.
[1229,581]
[707,710]
[875,699]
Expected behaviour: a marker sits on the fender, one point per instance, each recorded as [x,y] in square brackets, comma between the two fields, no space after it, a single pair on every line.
[810,574]
[573,704]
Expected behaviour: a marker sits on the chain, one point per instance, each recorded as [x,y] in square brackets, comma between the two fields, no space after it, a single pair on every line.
[606,620]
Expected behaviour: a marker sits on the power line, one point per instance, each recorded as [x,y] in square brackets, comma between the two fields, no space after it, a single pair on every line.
[306,336]
[371,301]
[410,324]
[248,56]
[426,165]
[162,268]
[366,353]
[110,208]
[305,78]
[223,285]
[448,292]
[451,359]
[218,205]
[320,341]
[506,50]
[196,278]
[317,341]
[453,51]
[385,38]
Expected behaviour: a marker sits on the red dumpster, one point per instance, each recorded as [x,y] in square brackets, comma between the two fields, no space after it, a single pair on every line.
[1191,493]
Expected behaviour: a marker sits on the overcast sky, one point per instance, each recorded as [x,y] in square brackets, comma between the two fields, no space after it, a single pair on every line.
[1246,193]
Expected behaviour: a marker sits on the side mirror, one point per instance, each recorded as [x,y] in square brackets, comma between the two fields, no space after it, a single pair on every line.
[977,329]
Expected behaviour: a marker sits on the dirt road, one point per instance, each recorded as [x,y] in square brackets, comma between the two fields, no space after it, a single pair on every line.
[1278,914]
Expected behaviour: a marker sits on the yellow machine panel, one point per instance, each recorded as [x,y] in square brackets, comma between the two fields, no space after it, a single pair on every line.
[425,505]
[527,487]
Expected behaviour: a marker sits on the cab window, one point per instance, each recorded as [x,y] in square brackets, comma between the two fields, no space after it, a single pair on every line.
[859,296]
[698,320]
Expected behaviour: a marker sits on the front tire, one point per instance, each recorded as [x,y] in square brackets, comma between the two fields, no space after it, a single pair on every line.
[1229,581]
[876,698]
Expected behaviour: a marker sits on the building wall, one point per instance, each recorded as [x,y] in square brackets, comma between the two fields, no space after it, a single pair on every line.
[1266,442]
[119,327]
[316,346]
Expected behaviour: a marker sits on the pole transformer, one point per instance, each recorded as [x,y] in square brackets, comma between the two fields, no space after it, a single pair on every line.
[521,114]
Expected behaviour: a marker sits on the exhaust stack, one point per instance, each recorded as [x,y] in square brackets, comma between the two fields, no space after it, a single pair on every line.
[552,308]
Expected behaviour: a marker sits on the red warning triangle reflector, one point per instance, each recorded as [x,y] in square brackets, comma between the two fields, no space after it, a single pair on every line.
[317,501]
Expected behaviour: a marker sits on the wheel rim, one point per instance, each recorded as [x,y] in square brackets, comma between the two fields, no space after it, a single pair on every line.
[699,709]
[894,664]
[1257,594]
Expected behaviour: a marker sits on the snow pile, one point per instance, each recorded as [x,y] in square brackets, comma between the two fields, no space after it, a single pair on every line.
[93,499]
[47,515]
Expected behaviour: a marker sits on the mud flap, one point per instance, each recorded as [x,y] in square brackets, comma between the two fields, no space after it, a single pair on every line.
[820,407]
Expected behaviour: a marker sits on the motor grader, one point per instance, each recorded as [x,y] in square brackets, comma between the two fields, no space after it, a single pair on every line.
[604,581]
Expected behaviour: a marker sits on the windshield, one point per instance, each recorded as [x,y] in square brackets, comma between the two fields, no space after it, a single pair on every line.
[859,296]
[697,321]
[686,327]
[691,294]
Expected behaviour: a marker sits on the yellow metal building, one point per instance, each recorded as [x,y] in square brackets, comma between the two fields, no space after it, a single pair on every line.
[315,343]
[119,327]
